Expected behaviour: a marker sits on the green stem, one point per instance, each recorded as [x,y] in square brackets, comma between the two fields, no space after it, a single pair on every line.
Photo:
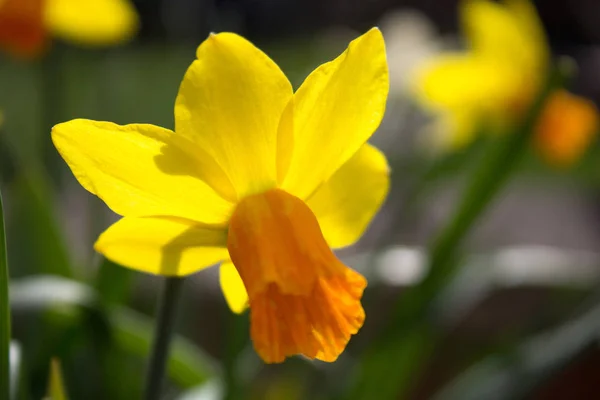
[4,315]
[390,366]
[167,308]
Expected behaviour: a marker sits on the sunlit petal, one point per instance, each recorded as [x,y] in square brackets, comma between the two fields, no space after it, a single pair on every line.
[233,287]
[142,170]
[335,111]
[348,201]
[230,103]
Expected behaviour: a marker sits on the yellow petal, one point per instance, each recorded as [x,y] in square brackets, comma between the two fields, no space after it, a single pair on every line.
[348,201]
[509,33]
[92,22]
[463,81]
[163,245]
[337,108]
[233,287]
[230,103]
[140,170]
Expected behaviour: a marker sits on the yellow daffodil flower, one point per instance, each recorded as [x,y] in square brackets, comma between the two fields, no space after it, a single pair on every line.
[255,176]
[496,80]
[26,24]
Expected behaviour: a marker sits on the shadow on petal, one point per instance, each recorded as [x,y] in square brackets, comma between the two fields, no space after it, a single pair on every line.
[210,238]
[168,161]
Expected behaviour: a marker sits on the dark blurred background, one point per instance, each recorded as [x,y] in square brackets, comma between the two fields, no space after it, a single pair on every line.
[571,26]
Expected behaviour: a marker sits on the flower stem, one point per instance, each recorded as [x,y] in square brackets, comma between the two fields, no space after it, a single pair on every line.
[167,307]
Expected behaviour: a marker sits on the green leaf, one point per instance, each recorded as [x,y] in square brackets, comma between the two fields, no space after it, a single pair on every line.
[4,315]
[56,386]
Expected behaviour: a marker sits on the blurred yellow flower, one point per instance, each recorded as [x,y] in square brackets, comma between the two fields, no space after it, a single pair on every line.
[26,24]
[255,176]
[495,81]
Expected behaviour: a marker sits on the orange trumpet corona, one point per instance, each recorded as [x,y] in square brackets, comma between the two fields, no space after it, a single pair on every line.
[303,300]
